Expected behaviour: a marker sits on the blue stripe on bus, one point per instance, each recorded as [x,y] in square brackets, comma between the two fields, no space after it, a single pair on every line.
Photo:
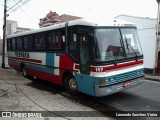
[41,68]
[50,59]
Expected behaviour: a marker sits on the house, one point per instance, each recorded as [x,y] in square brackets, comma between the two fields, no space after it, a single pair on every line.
[53,18]
[147,35]
[66,17]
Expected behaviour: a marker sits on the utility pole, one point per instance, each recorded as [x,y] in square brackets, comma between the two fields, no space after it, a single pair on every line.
[4,34]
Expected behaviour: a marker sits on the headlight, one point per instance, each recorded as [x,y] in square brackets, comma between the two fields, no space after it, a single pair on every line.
[111,79]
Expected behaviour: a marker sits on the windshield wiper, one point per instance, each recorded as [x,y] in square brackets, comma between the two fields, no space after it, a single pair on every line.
[128,45]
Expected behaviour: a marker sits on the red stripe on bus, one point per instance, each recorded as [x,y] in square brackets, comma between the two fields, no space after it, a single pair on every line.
[118,66]
[26,59]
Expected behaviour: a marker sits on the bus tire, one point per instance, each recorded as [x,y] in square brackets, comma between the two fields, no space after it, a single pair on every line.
[70,85]
[24,71]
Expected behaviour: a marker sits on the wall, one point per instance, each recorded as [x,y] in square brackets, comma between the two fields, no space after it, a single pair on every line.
[0,47]
[148,43]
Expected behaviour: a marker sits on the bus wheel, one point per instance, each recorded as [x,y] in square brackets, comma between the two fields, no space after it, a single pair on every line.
[24,71]
[71,85]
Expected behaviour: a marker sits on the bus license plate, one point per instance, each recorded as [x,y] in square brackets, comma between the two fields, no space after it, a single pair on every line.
[126,84]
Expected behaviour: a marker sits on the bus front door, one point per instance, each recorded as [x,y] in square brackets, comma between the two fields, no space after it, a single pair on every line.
[84,54]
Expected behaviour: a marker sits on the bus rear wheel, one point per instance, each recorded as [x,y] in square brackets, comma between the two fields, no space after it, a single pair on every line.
[70,84]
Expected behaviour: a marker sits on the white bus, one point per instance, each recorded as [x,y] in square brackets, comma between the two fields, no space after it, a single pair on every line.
[81,56]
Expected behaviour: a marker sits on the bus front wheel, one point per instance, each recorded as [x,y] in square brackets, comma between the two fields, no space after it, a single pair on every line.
[71,85]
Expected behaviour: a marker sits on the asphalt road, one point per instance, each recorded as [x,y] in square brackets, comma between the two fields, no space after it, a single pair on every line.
[145,97]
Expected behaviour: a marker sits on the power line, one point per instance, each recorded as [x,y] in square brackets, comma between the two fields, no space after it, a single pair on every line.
[10,10]
[20,7]
[14,5]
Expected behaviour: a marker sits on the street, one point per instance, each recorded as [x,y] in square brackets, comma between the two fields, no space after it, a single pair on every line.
[145,97]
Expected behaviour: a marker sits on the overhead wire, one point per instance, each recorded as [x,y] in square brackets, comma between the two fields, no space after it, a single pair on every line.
[16,6]
[20,7]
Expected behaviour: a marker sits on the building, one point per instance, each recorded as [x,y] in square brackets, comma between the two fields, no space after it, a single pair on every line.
[53,18]
[12,28]
[147,34]
[22,29]
[50,19]
[66,17]
[1,46]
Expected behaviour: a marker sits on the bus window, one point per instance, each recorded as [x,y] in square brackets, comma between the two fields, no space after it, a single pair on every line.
[84,53]
[27,41]
[14,44]
[73,45]
[19,43]
[55,40]
[9,44]
[39,42]
[63,41]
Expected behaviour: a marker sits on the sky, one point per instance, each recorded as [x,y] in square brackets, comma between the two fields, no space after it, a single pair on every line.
[100,10]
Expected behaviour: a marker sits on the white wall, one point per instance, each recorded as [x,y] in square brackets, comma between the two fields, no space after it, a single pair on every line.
[148,43]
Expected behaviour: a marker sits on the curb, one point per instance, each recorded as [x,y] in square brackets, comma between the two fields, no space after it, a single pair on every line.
[153,79]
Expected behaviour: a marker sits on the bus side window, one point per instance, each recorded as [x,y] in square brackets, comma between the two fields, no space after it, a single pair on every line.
[63,42]
[39,42]
[52,40]
[73,45]
[56,40]
[27,41]
[19,43]
[9,44]
[14,44]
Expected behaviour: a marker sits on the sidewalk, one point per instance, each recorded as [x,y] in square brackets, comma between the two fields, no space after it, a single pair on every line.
[20,94]
[152,77]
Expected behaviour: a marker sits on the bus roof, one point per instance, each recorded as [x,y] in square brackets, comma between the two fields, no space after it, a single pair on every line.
[62,25]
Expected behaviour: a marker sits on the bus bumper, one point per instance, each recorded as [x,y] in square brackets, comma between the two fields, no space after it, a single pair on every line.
[110,89]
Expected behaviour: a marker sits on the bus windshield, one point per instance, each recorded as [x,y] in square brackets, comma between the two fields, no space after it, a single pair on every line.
[131,43]
[116,43]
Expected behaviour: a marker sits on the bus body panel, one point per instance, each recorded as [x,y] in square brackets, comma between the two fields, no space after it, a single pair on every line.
[47,66]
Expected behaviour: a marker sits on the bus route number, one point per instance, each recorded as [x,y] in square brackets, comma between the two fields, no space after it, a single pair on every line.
[99,69]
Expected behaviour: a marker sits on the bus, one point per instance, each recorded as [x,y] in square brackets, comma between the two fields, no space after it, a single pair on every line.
[81,56]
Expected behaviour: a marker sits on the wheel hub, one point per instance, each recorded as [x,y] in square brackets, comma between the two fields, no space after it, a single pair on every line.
[73,84]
